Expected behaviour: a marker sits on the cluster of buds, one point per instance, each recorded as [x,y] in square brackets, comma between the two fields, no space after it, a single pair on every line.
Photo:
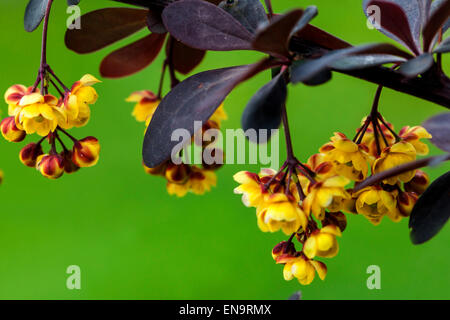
[32,111]
[307,201]
[182,178]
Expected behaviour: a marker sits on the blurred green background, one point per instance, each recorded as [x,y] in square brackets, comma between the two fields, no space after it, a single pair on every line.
[134,241]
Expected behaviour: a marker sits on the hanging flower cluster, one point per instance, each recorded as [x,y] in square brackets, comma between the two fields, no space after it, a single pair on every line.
[307,201]
[36,111]
[181,178]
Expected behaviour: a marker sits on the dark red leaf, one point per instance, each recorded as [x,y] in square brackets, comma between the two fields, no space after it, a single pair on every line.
[204,26]
[132,58]
[104,27]
[431,211]
[310,13]
[264,109]
[274,38]
[394,23]
[322,38]
[435,23]
[194,99]
[184,58]
[439,127]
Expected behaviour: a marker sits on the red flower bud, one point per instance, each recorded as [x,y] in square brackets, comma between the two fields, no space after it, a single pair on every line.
[50,166]
[29,154]
[86,152]
[177,173]
[419,183]
[10,131]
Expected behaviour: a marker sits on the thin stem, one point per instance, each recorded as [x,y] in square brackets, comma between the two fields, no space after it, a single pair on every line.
[301,194]
[161,80]
[173,78]
[68,134]
[42,68]
[269,8]
[287,134]
[57,79]
[380,117]
[60,141]
[360,134]
[56,87]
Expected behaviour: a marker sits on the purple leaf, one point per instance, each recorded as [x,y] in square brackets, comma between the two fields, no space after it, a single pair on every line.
[412,68]
[443,47]
[204,26]
[104,27]
[132,58]
[250,13]
[310,13]
[431,211]
[264,109]
[34,13]
[274,37]
[194,99]
[439,127]
[359,62]
[394,22]
[437,20]
[302,72]
[322,38]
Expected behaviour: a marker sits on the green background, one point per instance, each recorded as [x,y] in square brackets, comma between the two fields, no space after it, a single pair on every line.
[134,241]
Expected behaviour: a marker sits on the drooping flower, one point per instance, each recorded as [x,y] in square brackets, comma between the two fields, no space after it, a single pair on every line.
[280,211]
[406,202]
[13,96]
[146,104]
[374,203]
[250,187]
[349,159]
[413,136]
[322,242]
[327,194]
[77,103]
[38,114]
[201,180]
[400,153]
[419,183]
[302,268]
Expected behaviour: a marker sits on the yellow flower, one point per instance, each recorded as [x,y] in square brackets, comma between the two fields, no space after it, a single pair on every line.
[303,269]
[76,103]
[250,188]
[38,114]
[349,159]
[146,104]
[322,242]
[1,176]
[279,211]
[396,155]
[413,136]
[201,180]
[179,190]
[406,202]
[419,183]
[13,96]
[327,194]
[219,115]
[374,203]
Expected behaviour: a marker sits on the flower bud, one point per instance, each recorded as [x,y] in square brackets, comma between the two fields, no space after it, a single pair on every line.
[177,173]
[336,218]
[10,131]
[50,166]
[406,202]
[283,248]
[86,152]
[69,166]
[419,183]
[29,154]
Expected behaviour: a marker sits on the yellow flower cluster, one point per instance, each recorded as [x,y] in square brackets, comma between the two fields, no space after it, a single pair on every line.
[32,111]
[307,200]
[181,178]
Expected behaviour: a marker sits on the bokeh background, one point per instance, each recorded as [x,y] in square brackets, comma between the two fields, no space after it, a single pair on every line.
[134,241]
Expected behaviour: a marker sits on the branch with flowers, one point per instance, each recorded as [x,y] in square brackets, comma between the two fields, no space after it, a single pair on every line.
[374,172]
